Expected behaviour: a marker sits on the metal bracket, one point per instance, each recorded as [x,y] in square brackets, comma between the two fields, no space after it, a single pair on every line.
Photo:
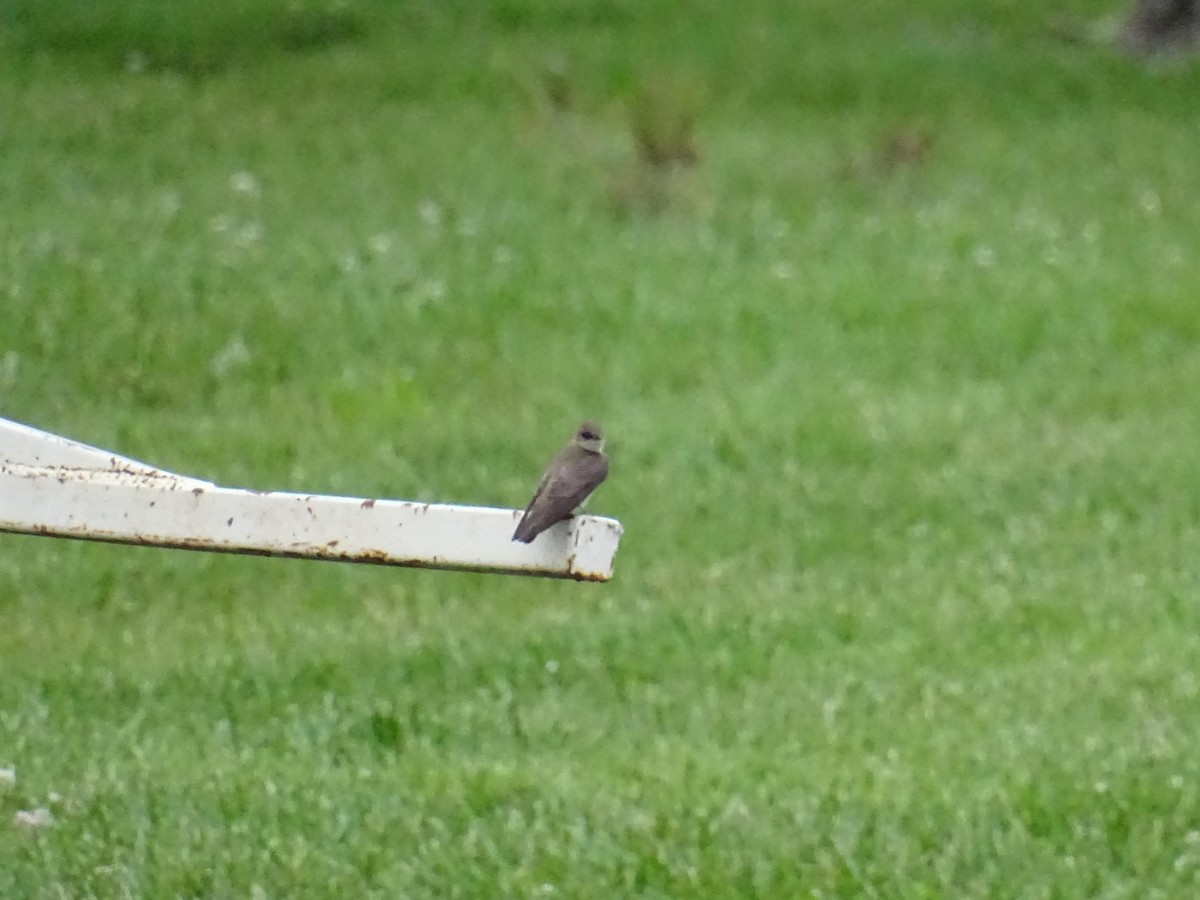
[53,486]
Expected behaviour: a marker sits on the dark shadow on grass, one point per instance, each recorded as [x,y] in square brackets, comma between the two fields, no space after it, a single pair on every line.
[553,16]
[185,38]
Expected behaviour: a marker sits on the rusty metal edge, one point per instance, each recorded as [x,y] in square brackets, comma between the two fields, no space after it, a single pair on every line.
[319,554]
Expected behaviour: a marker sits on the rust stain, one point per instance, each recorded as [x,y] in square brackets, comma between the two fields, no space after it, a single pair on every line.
[368,504]
[593,577]
[196,492]
[82,473]
[300,550]
[119,469]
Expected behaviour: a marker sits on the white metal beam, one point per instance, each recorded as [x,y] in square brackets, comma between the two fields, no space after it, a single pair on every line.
[53,486]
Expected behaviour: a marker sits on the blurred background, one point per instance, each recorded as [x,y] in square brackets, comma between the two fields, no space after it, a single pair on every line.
[890,314]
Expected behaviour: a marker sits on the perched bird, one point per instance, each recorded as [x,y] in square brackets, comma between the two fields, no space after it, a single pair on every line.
[571,477]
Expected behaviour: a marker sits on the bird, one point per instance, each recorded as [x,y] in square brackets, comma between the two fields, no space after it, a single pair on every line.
[570,478]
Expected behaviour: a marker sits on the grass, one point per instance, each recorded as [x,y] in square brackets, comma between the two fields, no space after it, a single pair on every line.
[904,445]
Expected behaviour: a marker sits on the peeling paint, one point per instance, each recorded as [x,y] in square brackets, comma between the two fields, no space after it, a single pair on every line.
[120,501]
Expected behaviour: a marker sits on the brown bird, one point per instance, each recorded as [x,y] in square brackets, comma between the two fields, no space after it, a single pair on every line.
[571,477]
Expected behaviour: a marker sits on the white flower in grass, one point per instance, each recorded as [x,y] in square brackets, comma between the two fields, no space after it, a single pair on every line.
[8,776]
[425,293]
[169,203]
[432,289]
[248,234]
[233,356]
[430,213]
[469,227]
[985,256]
[33,818]
[243,183]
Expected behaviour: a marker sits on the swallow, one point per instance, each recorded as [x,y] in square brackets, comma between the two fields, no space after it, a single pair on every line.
[570,478]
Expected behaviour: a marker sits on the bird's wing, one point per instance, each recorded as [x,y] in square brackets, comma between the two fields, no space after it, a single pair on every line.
[569,490]
[537,493]
[527,528]
[559,493]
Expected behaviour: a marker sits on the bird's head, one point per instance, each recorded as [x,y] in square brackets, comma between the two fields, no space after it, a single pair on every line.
[590,437]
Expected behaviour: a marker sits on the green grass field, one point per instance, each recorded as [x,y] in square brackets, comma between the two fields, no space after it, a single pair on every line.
[900,380]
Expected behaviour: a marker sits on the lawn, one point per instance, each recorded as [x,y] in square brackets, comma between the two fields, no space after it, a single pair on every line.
[899,361]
